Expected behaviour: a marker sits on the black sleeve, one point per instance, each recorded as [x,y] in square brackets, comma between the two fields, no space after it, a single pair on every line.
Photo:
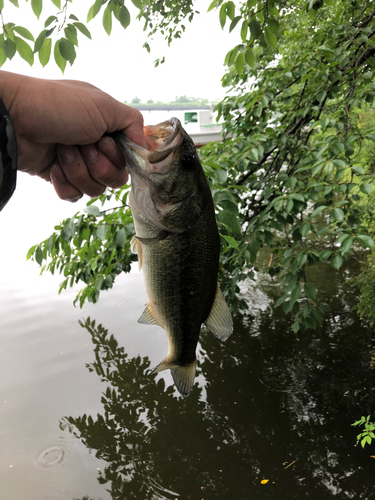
[8,157]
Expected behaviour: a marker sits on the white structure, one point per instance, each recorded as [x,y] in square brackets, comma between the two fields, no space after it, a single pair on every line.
[200,124]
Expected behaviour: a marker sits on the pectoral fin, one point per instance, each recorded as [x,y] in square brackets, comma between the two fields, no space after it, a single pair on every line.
[183,376]
[147,317]
[219,321]
[136,247]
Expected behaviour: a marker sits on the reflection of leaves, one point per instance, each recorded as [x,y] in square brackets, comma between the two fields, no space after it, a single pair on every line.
[145,432]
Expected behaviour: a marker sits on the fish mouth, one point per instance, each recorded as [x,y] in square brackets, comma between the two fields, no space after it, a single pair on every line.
[161,140]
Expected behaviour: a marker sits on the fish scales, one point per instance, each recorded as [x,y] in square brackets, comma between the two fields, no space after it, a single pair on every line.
[177,243]
[180,274]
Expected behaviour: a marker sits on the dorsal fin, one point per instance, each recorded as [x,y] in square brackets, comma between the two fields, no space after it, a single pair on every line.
[147,317]
[219,321]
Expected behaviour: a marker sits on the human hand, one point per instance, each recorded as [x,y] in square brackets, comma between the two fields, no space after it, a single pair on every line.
[59,127]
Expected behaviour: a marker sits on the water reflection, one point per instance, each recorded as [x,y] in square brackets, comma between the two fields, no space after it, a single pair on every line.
[275,406]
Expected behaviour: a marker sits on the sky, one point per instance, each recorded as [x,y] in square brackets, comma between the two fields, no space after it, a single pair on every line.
[120,66]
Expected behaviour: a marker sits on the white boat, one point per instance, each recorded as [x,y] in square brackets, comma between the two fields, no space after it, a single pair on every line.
[200,124]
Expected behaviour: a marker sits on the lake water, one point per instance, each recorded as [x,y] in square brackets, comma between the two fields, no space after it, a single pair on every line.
[80,419]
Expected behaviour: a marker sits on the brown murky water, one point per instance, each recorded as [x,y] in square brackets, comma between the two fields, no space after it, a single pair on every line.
[80,418]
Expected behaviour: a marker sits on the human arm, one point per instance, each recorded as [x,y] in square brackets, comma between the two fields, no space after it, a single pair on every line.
[59,127]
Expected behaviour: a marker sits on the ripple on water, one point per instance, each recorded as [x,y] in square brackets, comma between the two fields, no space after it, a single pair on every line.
[132,307]
[51,457]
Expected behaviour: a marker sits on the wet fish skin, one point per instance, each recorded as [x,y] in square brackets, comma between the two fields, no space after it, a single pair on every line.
[177,243]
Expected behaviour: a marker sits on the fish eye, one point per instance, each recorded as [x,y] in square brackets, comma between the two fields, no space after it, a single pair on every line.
[187,161]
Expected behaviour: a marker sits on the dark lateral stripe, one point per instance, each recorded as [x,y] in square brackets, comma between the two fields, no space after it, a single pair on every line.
[8,157]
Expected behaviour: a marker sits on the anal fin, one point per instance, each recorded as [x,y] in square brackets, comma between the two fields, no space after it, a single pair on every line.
[148,317]
[219,321]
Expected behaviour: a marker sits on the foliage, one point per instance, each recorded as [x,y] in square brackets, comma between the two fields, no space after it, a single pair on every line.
[291,175]
[367,435]
[63,28]
[92,248]
[366,285]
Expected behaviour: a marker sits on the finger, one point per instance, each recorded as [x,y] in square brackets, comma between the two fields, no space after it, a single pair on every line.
[63,188]
[107,171]
[76,171]
[108,147]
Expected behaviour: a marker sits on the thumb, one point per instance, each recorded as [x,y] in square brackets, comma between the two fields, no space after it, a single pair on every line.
[130,121]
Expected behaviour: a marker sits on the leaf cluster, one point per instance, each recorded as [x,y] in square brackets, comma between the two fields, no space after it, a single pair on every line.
[367,435]
[291,154]
[92,248]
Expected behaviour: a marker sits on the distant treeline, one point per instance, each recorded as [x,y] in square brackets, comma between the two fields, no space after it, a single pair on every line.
[182,102]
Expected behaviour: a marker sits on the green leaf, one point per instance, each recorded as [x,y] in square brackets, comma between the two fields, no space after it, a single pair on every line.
[240,63]
[9,48]
[57,3]
[39,41]
[50,20]
[358,170]
[83,29]
[92,210]
[317,211]
[270,37]
[37,6]
[230,220]
[223,15]
[121,238]
[310,291]
[289,205]
[14,2]
[249,57]
[365,240]
[244,29]
[366,188]
[39,255]
[234,23]
[60,61]
[339,163]
[71,34]
[255,29]
[45,51]
[295,295]
[1,5]
[346,245]
[336,215]
[213,4]
[230,10]
[138,4]
[274,25]
[231,241]
[101,231]
[336,261]
[304,229]
[24,50]
[67,50]
[107,19]
[281,300]
[30,252]
[23,32]
[124,17]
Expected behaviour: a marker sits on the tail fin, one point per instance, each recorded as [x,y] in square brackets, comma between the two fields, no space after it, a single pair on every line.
[183,376]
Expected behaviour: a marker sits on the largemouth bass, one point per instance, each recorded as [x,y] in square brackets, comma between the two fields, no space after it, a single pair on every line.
[177,242]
